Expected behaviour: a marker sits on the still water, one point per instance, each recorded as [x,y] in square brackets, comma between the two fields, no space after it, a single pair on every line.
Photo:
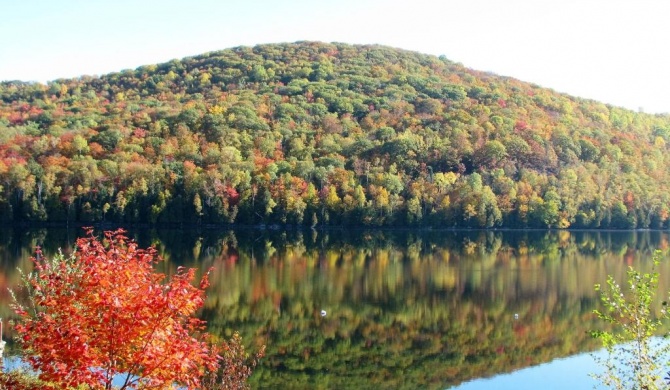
[435,309]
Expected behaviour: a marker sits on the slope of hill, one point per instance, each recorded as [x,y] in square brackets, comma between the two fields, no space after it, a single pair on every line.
[314,134]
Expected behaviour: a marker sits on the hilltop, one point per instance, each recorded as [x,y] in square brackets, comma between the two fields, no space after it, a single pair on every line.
[312,133]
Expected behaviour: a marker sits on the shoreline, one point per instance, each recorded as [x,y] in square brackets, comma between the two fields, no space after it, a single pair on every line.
[287,227]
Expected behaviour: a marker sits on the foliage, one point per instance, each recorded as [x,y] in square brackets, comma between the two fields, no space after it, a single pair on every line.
[105,312]
[636,358]
[236,366]
[20,380]
[326,134]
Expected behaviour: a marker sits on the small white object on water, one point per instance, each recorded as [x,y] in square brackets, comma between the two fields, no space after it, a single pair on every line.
[516,316]
[323,313]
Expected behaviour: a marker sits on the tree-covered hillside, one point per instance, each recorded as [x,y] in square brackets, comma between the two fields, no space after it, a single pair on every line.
[326,134]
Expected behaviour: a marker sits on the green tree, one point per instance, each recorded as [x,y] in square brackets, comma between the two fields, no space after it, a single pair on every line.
[635,358]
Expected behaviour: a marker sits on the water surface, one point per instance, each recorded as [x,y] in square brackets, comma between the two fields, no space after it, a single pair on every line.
[405,309]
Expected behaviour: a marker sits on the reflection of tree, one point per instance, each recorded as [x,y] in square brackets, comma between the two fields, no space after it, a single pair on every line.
[404,309]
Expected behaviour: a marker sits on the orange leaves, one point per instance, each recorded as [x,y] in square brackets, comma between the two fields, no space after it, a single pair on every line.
[105,312]
[629,200]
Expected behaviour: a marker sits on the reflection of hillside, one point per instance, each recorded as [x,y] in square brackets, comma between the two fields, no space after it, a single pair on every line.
[405,310]
[419,311]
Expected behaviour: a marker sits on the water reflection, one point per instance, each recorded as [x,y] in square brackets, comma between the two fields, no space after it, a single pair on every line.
[405,309]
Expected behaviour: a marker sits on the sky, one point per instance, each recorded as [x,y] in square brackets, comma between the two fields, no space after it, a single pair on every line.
[611,51]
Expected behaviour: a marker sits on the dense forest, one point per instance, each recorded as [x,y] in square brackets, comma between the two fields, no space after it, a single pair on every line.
[322,134]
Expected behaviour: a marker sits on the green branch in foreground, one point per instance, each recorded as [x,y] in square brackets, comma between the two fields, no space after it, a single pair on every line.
[635,357]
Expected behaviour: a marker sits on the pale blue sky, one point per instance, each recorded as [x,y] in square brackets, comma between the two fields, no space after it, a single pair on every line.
[612,51]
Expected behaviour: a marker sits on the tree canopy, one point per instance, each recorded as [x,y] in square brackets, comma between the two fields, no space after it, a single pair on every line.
[312,133]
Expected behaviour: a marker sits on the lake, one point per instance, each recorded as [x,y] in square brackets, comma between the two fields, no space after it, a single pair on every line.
[403,309]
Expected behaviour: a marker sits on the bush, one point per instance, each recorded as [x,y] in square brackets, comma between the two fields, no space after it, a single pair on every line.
[105,313]
[634,354]
[20,380]
[235,367]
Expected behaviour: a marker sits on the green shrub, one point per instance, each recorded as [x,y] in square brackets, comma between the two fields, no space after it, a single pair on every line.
[636,358]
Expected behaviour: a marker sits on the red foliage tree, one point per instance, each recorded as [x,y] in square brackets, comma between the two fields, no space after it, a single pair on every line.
[104,312]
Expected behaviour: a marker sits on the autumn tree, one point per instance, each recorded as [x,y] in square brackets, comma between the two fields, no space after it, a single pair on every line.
[105,313]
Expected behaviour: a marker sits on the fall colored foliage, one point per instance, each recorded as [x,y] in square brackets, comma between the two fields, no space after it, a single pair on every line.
[104,313]
[326,134]
[235,368]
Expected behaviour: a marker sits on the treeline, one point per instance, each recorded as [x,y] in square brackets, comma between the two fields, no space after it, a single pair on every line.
[326,134]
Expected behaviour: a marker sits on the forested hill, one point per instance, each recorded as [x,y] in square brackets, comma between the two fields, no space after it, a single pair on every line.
[326,134]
